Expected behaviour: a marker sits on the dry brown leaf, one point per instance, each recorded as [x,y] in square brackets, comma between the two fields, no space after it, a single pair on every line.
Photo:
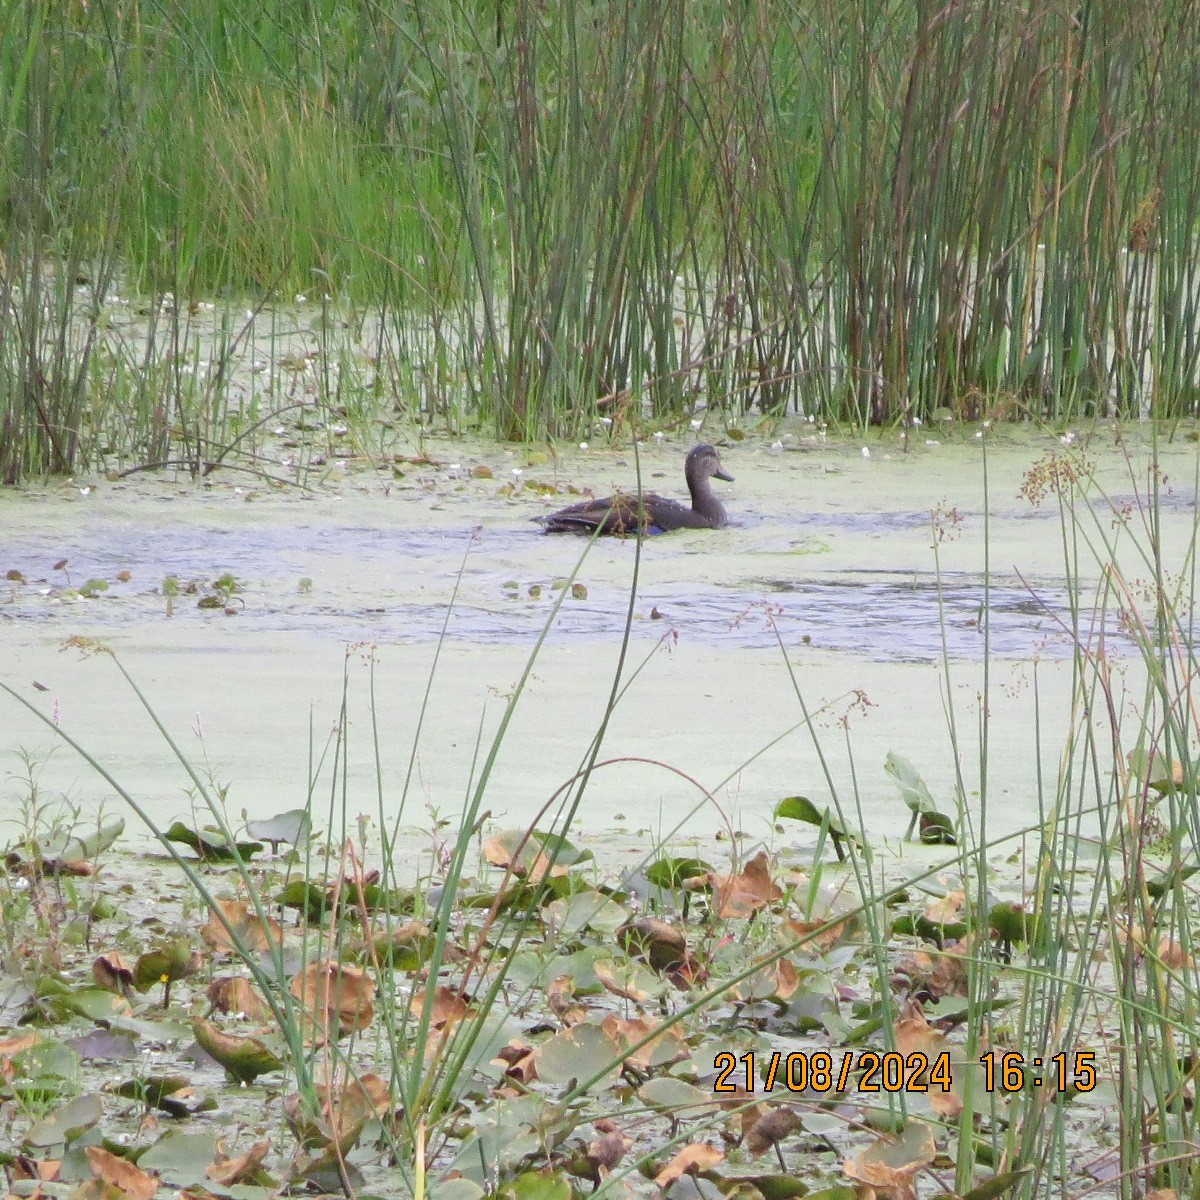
[448,1006]
[127,1177]
[914,1035]
[255,933]
[344,1112]
[1174,957]
[522,1065]
[770,1129]
[890,1166]
[626,1032]
[657,943]
[948,909]
[814,943]
[560,995]
[787,979]
[113,973]
[337,999]
[10,1047]
[606,1151]
[692,1159]
[534,864]
[45,1170]
[236,994]
[227,1171]
[744,894]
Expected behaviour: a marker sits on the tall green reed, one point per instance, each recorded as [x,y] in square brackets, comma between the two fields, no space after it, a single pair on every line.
[863,214]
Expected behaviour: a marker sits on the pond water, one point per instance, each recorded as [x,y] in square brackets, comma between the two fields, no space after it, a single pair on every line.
[829,560]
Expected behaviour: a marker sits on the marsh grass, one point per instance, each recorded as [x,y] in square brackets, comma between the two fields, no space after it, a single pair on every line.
[861,214]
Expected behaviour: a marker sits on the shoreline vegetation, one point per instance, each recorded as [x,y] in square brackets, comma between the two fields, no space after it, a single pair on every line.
[528,218]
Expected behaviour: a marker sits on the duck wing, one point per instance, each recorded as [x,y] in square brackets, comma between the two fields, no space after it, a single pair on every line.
[619,514]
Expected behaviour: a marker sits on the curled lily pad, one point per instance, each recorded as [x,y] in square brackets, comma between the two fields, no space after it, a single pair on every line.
[168,1093]
[337,999]
[244,1058]
[292,827]
[670,871]
[936,829]
[212,845]
[58,854]
[801,808]
[165,964]
[309,898]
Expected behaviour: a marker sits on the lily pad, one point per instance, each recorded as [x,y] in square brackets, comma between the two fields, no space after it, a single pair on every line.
[671,871]
[801,808]
[244,1058]
[293,827]
[66,1123]
[212,845]
[180,1159]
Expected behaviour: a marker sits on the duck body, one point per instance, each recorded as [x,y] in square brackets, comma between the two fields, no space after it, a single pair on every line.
[650,513]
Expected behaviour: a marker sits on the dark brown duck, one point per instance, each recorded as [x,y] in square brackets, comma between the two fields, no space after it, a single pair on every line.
[649,513]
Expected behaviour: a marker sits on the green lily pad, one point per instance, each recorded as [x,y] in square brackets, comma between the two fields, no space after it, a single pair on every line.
[801,808]
[577,1053]
[66,1123]
[586,910]
[311,899]
[670,872]
[912,787]
[212,845]
[181,1159]
[244,1058]
[165,964]
[534,1185]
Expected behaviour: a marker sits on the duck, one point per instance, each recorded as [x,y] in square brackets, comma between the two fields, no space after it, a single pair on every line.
[649,513]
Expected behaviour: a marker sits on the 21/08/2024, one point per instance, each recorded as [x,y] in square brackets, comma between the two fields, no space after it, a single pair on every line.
[869,1071]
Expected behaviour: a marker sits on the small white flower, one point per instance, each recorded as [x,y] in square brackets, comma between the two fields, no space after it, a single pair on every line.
[517,472]
[696,424]
[659,437]
[866,452]
[1068,438]
[583,445]
[85,491]
[979,435]
[932,442]
[916,422]
[777,447]
[301,298]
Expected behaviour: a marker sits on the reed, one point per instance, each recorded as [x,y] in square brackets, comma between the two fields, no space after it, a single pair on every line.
[864,214]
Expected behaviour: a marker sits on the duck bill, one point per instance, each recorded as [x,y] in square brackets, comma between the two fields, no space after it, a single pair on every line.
[723,474]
